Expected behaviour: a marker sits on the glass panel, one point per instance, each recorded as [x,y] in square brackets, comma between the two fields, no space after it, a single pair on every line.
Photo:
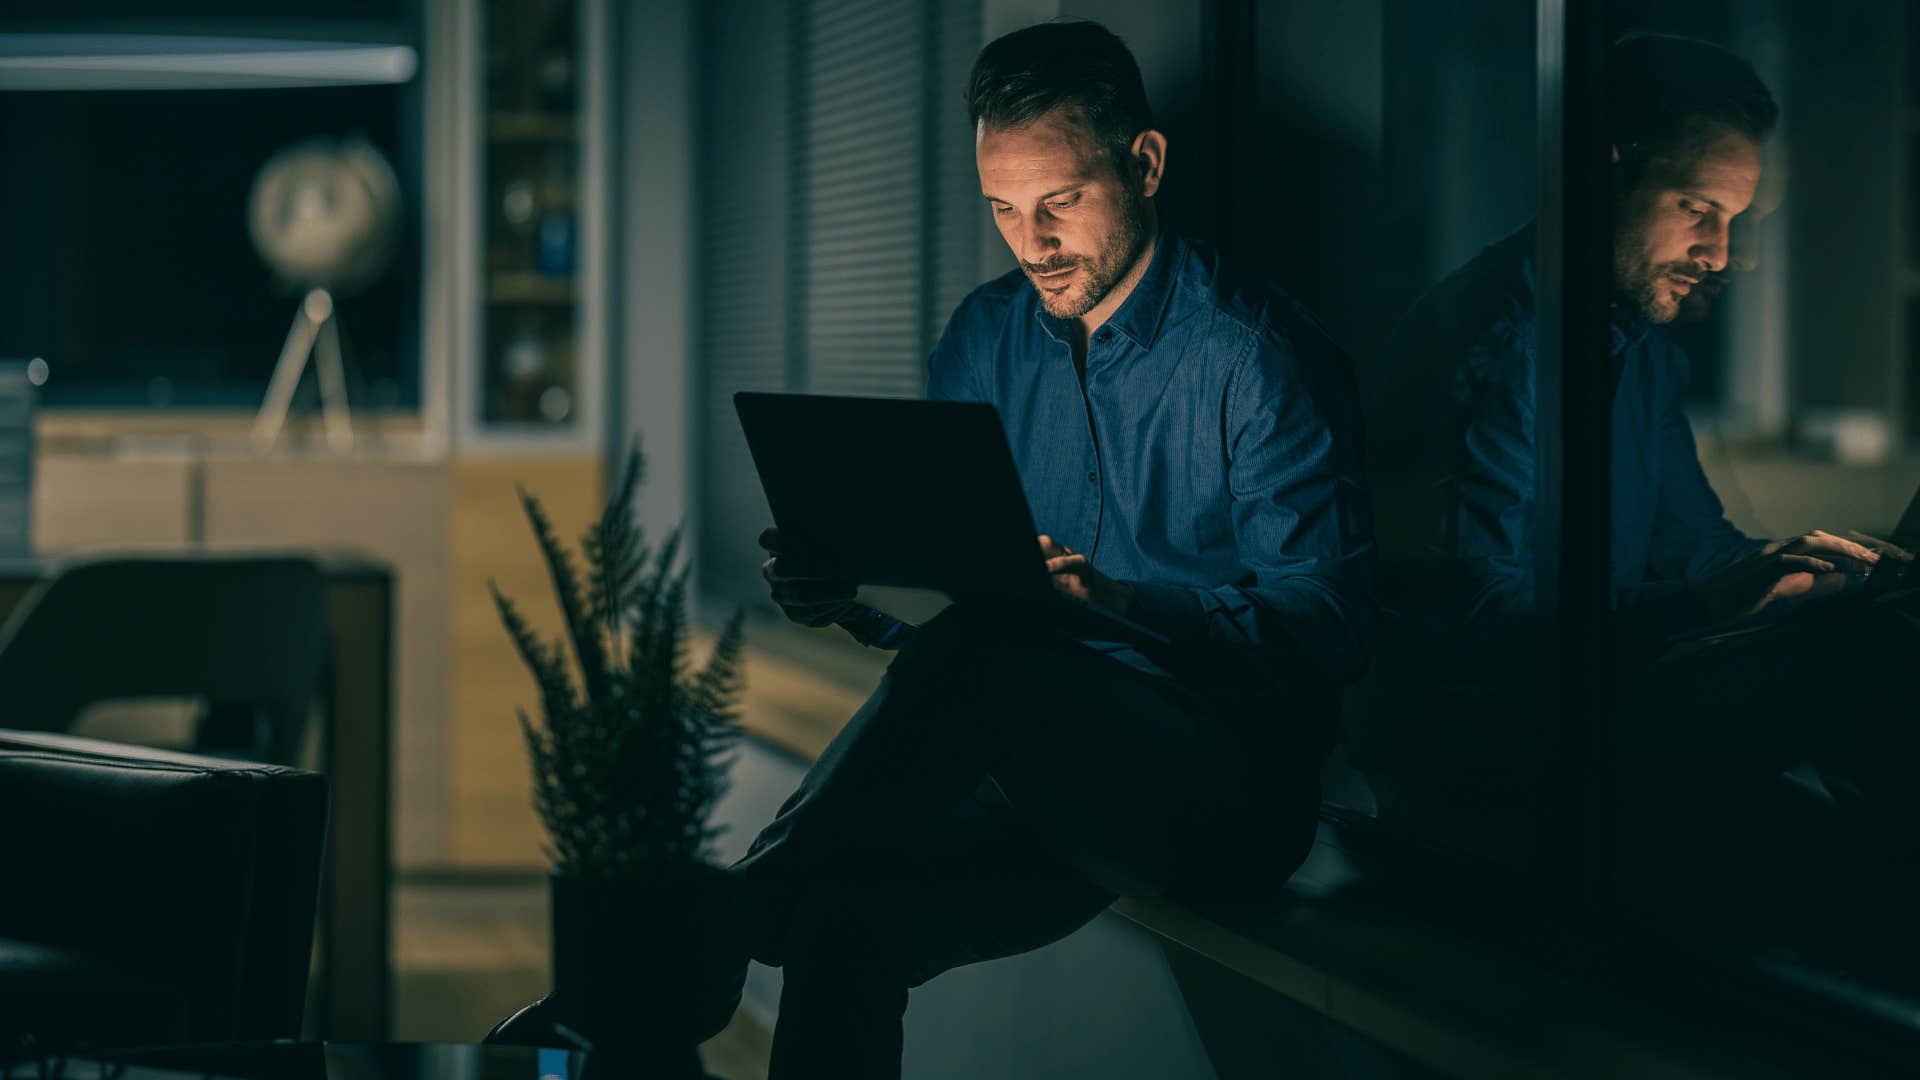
[1426,273]
[533,128]
[1761,470]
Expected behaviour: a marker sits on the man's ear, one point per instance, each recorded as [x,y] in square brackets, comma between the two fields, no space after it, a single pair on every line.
[1148,155]
[1616,155]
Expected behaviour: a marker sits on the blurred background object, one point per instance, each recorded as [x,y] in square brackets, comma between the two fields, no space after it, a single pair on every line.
[531,159]
[20,381]
[139,281]
[322,214]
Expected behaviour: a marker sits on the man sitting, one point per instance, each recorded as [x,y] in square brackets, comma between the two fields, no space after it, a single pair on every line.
[1189,441]
[1698,742]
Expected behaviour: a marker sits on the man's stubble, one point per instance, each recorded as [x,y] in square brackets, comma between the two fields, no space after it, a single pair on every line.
[1106,268]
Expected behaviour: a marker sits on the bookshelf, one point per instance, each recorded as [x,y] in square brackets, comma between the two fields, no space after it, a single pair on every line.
[533,377]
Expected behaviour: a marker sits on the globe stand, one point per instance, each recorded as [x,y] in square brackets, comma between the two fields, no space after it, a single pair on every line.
[314,330]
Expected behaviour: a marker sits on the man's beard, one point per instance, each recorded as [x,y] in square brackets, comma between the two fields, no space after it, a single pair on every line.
[1100,272]
[1644,288]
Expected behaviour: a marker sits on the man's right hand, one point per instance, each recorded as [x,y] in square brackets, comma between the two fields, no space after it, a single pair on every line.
[1811,565]
[803,595]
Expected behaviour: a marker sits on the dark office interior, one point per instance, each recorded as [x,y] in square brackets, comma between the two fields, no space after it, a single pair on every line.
[392,681]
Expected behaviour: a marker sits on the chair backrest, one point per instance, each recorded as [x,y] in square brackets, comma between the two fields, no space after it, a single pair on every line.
[227,628]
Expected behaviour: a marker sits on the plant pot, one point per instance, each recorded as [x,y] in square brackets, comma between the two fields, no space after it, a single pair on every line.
[627,957]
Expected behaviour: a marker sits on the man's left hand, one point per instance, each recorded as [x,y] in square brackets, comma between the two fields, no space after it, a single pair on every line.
[1074,575]
[1886,549]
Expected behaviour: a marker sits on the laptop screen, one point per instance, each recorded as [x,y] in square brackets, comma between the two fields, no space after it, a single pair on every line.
[1907,533]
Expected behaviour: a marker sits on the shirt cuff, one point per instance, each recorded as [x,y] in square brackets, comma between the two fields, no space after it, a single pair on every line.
[875,628]
[1173,610]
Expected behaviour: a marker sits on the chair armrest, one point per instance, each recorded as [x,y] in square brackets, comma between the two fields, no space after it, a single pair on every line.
[200,872]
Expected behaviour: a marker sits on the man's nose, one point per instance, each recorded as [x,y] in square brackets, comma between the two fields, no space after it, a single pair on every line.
[1711,254]
[1037,241]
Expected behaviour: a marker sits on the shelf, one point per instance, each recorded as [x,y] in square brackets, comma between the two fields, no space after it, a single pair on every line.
[541,74]
[528,288]
[530,127]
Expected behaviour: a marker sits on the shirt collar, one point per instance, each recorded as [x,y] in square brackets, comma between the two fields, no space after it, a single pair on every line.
[1140,315]
[1625,329]
[1145,308]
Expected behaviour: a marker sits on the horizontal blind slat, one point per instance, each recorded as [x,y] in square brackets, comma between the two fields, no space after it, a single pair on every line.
[864,197]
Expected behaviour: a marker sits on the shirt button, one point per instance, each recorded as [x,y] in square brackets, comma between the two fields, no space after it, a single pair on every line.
[1092,477]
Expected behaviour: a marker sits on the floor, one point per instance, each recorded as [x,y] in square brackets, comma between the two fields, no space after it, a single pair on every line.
[472,948]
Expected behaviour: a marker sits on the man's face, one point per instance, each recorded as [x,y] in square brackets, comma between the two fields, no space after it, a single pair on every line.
[1670,233]
[1072,219]
[1746,243]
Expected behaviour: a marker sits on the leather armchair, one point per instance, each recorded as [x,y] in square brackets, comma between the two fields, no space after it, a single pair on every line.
[149,896]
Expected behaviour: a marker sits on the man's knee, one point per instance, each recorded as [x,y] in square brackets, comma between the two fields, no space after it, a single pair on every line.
[990,646]
[850,925]
[958,628]
[872,932]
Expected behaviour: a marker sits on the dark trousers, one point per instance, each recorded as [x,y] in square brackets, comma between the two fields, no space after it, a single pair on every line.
[996,792]
[1705,830]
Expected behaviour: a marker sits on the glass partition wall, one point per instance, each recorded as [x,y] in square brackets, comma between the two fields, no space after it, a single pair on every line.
[1450,306]
[1759,805]
[1560,410]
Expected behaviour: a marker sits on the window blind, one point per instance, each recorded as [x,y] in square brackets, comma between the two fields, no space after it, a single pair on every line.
[838,228]
[863,197]
[742,295]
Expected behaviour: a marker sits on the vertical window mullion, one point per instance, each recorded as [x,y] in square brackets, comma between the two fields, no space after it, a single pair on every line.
[799,133]
[1572,439]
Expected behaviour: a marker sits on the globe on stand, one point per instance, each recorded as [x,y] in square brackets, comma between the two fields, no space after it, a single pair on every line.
[323,214]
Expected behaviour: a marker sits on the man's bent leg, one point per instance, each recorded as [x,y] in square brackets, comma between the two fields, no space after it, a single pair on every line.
[1119,782]
[982,887]
[1137,781]
[921,743]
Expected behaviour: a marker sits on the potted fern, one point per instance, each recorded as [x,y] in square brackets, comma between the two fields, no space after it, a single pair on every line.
[628,761]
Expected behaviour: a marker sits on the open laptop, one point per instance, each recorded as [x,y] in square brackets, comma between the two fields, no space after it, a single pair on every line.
[1889,575]
[916,494]
[1881,580]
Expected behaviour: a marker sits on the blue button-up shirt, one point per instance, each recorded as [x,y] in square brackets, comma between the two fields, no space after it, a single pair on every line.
[1210,456]
[1462,364]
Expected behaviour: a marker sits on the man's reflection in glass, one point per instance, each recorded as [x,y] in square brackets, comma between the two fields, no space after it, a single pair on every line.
[1709,722]
[1688,121]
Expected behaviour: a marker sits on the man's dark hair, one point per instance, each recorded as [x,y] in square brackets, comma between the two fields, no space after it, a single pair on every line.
[1664,92]
[1076,64]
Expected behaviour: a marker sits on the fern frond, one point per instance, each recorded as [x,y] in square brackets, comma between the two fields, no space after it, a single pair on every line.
[625,775]
[719,682]
[588,650]
[548,667]
[651,596]
[616,554]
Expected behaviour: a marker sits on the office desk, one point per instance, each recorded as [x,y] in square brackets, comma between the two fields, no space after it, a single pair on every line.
[356,739]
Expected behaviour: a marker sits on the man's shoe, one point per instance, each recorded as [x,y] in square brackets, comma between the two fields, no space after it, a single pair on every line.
[537,1024]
